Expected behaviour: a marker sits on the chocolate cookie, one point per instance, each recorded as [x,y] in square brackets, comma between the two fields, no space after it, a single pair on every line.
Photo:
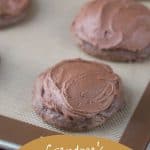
[77,95]
[12,11]
[117,30]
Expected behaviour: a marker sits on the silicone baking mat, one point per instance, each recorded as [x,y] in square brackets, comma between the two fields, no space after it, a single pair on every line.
[39,42]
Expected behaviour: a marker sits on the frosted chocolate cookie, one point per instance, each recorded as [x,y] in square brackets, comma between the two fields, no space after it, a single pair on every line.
[12,11]
[77,95]
[116,30]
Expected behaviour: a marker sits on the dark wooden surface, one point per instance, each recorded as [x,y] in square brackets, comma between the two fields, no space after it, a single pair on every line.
[19,132]
[137,134]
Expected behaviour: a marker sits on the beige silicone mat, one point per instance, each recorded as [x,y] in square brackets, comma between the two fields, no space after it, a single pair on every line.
[43,40]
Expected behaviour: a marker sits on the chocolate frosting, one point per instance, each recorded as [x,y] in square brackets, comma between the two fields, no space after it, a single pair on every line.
[12,7]
[114,24]
[80,87]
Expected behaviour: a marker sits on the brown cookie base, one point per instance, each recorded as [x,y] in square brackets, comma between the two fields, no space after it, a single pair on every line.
[119,55]
[54,116]
[8,20]
[58,120]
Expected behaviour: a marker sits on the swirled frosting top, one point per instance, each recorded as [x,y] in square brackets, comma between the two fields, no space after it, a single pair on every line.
[118,24]
[12,7]
[86,86]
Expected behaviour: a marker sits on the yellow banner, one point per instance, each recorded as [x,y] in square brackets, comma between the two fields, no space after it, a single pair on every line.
[62,142]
